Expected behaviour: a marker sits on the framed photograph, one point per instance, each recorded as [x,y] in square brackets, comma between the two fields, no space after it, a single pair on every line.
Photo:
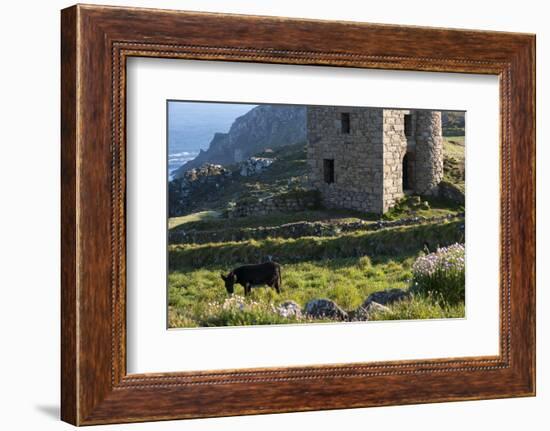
[263,214]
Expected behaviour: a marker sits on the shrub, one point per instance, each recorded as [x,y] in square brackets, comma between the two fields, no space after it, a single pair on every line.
[364,263]
[441,274]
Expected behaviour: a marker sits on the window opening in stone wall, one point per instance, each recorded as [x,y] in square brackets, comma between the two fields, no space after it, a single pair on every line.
[345,122]
[328,170]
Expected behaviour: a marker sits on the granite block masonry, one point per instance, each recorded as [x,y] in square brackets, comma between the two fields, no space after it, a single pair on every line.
[367,158]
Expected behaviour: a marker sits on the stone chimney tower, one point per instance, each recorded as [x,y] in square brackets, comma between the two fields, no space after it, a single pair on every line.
[429,152]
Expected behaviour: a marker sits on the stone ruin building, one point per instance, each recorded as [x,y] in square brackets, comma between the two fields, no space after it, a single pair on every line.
[367,158]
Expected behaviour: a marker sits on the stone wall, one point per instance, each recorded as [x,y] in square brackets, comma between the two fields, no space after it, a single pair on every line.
[291,201]
[298,229]
[368,158]
[395,147]
[357,155]
[429,152]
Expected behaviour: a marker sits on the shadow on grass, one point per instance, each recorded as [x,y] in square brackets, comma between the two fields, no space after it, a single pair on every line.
[271,220]
[395,242]
[334,264]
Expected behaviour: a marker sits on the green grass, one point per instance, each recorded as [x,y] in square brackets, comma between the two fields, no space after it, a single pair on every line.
[174,222]
[454,160]
[420,307]
[348,282]
[269,220]
[222,228]
[393,241]
[217,315]
[196,295]
[453,146]
[457,140]
[428,207]
[345,268]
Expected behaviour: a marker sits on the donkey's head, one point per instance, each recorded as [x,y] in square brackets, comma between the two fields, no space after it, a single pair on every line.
[229,281]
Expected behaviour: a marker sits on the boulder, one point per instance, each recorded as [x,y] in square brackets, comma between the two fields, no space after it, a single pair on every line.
[452,192]
[387,297]
[415,200]
[289,309]
[364,313]
[324,308]
[254,165]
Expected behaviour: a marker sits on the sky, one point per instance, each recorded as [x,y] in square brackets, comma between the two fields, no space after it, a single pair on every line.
[192,125]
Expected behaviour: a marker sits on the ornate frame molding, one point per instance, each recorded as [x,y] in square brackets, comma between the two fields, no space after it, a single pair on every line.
[96,41]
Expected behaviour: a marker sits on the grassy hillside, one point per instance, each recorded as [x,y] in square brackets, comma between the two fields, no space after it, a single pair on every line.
[344,267]
[287,171]
[195,295]
[454,160]
[385,242]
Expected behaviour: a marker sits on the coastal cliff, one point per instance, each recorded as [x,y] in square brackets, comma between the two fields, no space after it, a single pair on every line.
[264,127]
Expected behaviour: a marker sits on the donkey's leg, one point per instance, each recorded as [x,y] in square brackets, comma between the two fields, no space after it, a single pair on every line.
[276,285]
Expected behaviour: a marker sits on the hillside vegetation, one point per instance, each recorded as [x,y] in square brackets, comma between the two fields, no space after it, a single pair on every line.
[265,126]
[345,263]
[453,123]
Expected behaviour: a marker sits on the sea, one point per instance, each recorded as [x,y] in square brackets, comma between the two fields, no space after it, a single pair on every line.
[175,160]
[192,125]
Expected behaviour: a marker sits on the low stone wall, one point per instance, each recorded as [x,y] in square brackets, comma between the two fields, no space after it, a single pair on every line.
[404,240]
[289,230]
[297,230]
[291,201]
